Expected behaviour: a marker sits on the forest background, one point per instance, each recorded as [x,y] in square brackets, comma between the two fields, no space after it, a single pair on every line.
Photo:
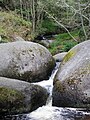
[66,22]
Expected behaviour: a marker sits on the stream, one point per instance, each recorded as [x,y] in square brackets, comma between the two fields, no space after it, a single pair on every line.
[49,112]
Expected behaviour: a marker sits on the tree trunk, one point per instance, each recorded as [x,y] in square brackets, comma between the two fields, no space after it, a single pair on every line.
[82,22]
[21,9]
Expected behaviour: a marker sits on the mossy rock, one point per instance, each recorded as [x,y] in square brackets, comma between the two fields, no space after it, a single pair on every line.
[74,77]
[26,61]
[10,100]
[68,56]
[18,97]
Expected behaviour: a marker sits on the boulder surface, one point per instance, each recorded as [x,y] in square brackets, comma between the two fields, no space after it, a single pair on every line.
[26,61]
[72,81]
[59,57]
[19,97]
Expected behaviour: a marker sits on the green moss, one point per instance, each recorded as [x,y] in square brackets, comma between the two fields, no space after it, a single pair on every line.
[10,95]
[69,55]
[11,101]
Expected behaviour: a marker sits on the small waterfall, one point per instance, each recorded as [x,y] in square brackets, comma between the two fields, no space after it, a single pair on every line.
[49,112]
[48,84]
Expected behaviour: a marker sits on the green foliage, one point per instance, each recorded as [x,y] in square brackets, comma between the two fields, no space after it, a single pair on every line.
[63,43]
[68,45]
[49,26]
[46,27]
[11,24]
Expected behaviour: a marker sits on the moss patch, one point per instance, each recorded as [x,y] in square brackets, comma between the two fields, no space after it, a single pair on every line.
[69,55]
[10,100]
[9,94]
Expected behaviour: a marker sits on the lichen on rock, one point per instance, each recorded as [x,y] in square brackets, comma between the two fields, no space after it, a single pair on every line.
[27,61]
[18,97]
[74,75]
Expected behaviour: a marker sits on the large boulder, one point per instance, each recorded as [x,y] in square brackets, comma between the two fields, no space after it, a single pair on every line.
[26,61]
[18,96]
[72,81]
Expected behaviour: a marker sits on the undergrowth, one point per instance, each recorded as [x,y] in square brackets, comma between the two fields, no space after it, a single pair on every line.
[63,42]
[11,24]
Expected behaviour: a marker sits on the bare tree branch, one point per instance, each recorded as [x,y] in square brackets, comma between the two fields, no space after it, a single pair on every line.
[77,11]
[82,19]
[60,24]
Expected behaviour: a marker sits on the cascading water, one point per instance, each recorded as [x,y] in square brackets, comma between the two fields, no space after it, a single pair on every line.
[49,112]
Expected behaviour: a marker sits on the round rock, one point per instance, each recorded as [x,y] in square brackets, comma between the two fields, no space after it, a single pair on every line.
[19,97]
[72,81]
[59,57]
[27,61]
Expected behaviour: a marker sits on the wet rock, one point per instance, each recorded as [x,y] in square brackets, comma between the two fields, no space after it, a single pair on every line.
[19,97]
[59,57]
[72,81]
[26,61]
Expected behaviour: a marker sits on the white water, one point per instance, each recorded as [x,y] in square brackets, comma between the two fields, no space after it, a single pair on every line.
[49,112]
[48,84]
[56,113]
